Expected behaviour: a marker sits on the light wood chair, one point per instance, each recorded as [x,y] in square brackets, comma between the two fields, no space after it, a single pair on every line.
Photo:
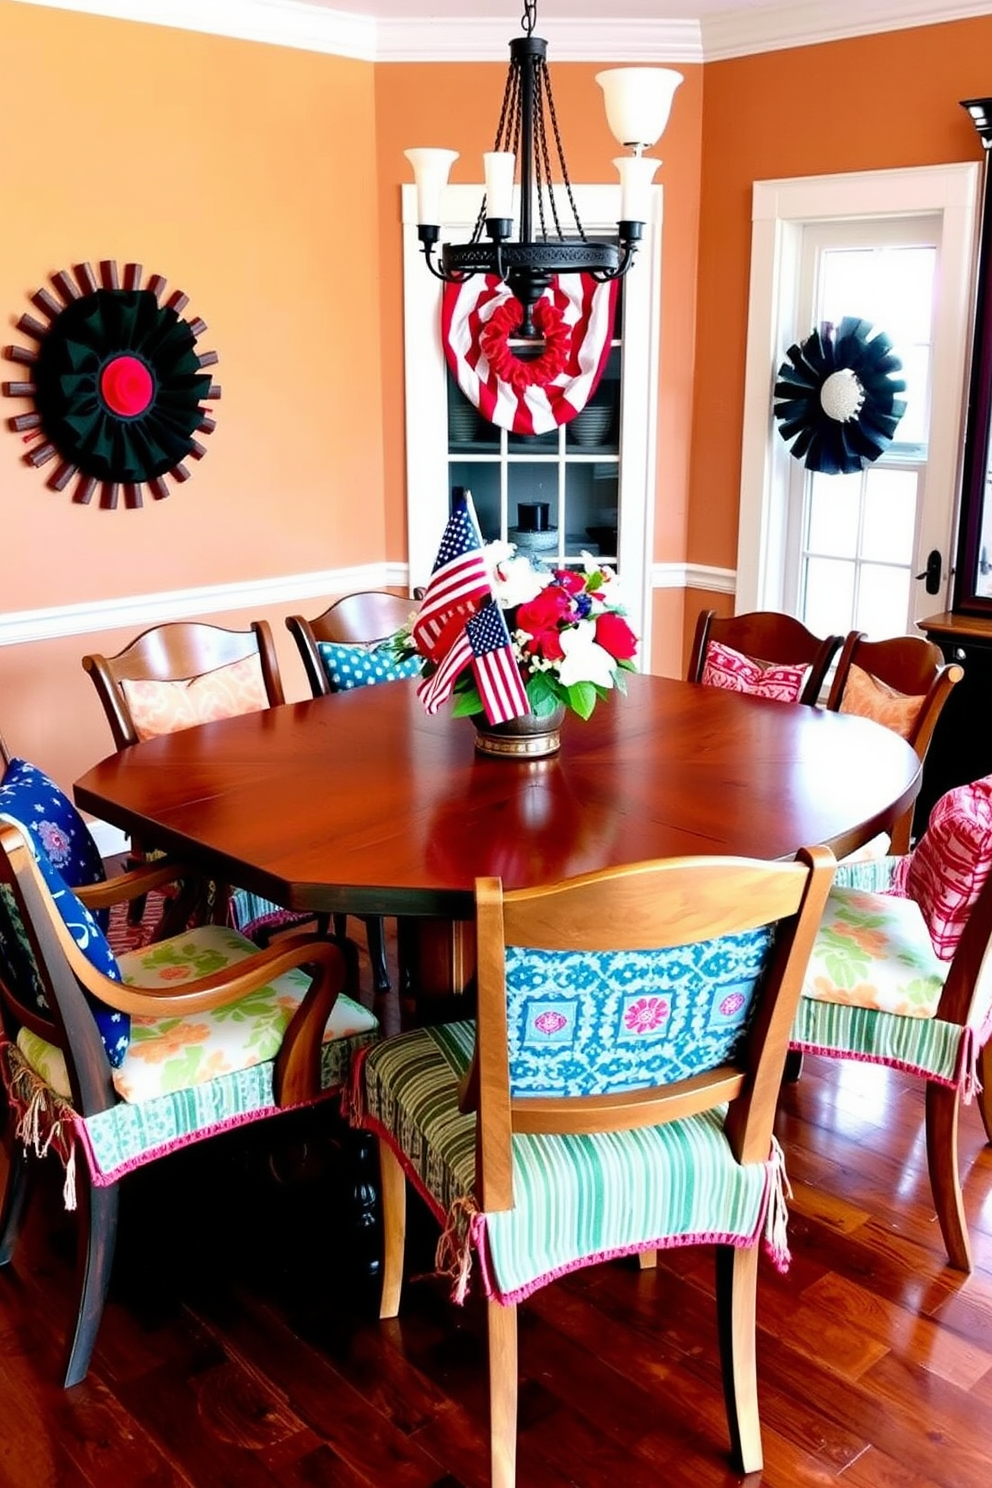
[289,1044]
[902,682]
[585,1139]
[767,637]
[359,619]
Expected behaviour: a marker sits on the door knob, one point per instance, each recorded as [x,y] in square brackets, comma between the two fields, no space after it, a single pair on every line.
[932,572]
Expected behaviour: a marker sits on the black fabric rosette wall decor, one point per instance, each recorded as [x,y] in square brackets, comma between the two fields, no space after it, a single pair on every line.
[116,382]
[835,397]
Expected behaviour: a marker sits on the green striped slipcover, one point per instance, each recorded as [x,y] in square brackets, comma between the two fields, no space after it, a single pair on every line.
[184,1078]
[578,1199]
[874,982]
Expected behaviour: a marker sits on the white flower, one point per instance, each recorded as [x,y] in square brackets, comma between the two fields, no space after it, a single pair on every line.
[584,661]
[514,579]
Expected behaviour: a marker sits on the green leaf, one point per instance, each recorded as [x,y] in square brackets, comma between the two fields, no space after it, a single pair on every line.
[543,694]
[465,702]
[582,698]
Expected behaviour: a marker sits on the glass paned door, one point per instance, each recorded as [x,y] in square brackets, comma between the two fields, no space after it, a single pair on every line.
[855,544]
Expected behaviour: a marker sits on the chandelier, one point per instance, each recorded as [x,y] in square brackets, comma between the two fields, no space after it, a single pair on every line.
[638,101]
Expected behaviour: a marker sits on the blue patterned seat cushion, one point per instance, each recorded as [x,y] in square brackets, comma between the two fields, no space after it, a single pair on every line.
[585,1023]
[362,666]
[56,829]
[115,1027]
[577,1199]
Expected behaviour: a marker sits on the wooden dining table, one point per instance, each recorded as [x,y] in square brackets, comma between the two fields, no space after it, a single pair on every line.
[361,803]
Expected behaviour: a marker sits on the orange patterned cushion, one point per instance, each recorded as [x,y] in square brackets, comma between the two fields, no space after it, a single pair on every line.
[724,667]
[166,707]
[949,866]
[866,696]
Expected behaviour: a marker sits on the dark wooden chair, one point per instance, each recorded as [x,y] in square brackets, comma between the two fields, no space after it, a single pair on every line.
[359,619]
[181,651]
[902,682]
[573,1138]
[767,637]
[289,1044]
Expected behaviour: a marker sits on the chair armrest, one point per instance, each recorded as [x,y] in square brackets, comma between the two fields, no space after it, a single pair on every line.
[134,883]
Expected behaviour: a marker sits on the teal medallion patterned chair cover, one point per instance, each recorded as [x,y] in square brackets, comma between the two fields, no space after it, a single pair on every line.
[899,975]
[218,1033]
[615,1096]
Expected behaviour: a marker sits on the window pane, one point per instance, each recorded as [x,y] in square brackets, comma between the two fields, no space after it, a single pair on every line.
[913,427]
[904,292]
[829,601]
[845,283]
[883,601]
[834,503]
[890,515]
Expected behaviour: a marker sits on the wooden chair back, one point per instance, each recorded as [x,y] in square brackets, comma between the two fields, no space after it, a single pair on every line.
[766,636]
[646,907]
[356,620]
[913,667]
[4,753]
[174,652]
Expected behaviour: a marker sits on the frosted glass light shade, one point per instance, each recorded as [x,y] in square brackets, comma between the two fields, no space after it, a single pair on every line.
[430,171]
[638,102]
[499,167]
[636,175]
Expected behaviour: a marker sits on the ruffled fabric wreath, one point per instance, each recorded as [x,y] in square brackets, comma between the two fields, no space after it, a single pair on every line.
[117,384]
[528,390]
[835,397]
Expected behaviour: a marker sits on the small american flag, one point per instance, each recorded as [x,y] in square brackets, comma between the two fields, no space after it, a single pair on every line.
[496,672]
[458,584]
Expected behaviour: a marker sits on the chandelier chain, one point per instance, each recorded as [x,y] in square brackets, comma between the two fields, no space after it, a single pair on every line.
[529,18]
[564,168]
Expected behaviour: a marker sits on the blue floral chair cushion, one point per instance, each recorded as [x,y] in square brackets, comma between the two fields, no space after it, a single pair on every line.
[362,666]
[585,1023]
[56,828]
[115,1027]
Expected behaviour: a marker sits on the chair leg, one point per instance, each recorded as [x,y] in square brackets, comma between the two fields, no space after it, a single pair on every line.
[502,1329]
[393,1180]
[375,933]
[945,1180]
[647,1260]
[736,1297]
[20,1174]
[97,1217]
[985,1088]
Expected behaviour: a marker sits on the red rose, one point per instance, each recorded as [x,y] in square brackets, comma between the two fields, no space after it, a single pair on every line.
[541,617]
[615,636]
[570,581]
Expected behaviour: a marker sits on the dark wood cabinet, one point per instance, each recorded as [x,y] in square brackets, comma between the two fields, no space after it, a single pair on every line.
[961,748]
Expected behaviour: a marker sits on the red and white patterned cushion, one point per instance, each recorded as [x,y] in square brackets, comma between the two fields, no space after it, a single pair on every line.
[724,667]
[948,869]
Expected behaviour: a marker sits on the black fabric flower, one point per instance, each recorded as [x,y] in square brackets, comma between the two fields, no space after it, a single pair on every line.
[117,384]
[835,397]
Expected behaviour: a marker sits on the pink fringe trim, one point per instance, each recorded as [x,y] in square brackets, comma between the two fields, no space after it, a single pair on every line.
[899,1064]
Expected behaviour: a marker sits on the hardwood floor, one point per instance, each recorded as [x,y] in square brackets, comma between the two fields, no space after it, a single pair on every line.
[240,1349]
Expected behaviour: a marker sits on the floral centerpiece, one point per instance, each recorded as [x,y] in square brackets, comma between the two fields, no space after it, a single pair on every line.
[567,634]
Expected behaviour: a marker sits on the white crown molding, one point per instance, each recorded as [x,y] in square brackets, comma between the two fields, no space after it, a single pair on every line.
[474,39]
[313,26]
[772,28]
[20,627]
[693,576]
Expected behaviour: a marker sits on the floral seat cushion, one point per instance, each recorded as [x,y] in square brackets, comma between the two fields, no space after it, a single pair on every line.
[611,1194]
[869,697]
[184,1076]
[732,670]
[874,951]
[166,707]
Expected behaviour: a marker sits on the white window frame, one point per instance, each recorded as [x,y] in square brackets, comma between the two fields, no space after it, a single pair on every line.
[426,389]
[780,209]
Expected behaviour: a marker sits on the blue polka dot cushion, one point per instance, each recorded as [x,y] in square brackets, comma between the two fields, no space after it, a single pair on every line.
[362,666]
[115,1028]
[587,1022]
[57,831]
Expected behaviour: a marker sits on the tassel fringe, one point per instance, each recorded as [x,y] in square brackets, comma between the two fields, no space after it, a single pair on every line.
[453,1257]
[45,1121]
[776,1235]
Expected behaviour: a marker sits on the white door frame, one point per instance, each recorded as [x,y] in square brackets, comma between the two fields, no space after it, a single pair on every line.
[779,211]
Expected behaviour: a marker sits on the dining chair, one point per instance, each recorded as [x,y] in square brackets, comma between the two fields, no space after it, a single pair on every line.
[903,683]
[899,976]
[765,653]
[183,673]
[615,1096]
[344,647]
[113,1062]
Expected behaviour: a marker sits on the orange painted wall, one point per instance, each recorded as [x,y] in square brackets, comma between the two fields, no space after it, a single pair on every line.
[219,164]
[873,103]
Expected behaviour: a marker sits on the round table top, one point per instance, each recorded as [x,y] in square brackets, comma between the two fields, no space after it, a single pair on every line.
[361,803]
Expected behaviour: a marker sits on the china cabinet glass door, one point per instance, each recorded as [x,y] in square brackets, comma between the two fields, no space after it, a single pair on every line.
[586,486]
